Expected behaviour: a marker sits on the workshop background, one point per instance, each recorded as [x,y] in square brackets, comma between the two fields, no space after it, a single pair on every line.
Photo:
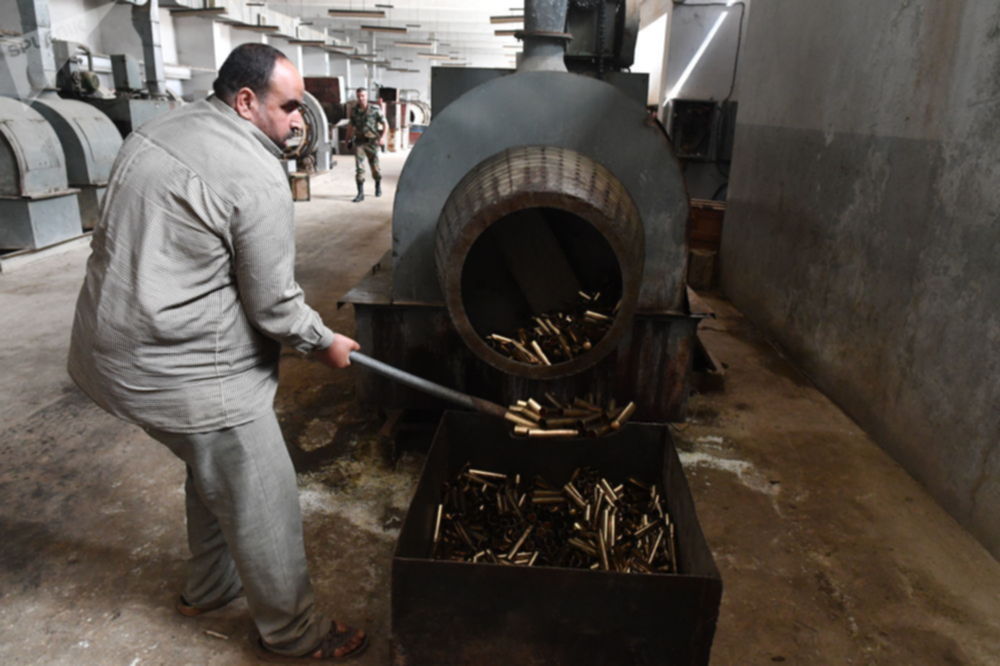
[797,200]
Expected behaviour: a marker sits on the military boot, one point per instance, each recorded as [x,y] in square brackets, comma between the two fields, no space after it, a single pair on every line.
[361,192]
[378,187]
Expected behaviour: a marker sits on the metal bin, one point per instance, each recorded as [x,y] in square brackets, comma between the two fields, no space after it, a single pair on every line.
[446,612]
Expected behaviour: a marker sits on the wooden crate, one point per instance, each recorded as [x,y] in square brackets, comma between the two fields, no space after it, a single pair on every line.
[705,224]
[300,186]
[702,268]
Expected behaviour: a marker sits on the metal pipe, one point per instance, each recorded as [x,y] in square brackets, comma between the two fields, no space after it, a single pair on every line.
[518,420]
[565,432]
[146,21]
[544,36]
[41,63]
[421,384]
[437,523]
[623,416]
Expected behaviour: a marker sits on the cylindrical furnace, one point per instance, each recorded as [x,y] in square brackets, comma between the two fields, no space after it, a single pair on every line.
[524,191]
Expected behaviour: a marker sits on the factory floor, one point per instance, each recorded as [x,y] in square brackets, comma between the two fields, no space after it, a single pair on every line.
[829,552]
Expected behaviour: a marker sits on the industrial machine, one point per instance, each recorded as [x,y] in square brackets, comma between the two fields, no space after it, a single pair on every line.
[311,148]
[526,191]
[133,102]
[90,142]
[129,106]
[419,112]
[604,35]
[523,186]
[37,206]
[418,115]
[79,116]
[600,42]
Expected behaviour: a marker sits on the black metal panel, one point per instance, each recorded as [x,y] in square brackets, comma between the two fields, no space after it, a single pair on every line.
[691,125]
[462,613]
[702,130]
[450,83]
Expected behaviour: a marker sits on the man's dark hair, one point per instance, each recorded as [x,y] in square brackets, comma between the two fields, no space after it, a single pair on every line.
[360,90]
[248,66]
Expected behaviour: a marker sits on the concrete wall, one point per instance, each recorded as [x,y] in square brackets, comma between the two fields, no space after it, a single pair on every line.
[196,43]
[117,33]
[294,52]
[359,74]
[315,62]
[863,230]
[80,21]
[341,66]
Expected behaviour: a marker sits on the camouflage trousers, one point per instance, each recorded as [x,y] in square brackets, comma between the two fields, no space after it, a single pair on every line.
[361,149]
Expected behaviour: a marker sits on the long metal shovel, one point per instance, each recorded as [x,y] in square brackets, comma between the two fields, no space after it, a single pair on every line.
[421,384]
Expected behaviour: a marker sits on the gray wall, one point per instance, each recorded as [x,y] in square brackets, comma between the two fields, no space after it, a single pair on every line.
[863,229]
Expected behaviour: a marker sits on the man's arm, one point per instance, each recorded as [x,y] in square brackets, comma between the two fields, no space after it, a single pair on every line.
[263,244]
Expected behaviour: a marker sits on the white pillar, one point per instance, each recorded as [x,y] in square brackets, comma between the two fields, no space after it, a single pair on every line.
[341,66]
[200,44]
[315,62]
[293,52]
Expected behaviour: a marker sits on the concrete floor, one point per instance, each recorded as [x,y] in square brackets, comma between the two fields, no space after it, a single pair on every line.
[829,552]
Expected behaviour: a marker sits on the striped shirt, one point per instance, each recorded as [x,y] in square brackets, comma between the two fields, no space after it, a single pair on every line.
[190,288]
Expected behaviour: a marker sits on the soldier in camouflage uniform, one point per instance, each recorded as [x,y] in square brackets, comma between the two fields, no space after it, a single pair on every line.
[367,128]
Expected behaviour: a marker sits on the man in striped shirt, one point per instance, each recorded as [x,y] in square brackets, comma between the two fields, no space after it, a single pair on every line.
[188,297]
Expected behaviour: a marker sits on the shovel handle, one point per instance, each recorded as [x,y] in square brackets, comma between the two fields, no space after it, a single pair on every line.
[421,384]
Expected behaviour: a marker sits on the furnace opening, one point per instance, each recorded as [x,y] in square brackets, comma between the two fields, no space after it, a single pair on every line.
[541,263]
[545,240]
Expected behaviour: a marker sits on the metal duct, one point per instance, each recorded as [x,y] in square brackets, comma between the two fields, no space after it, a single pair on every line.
[88,137]
[36,206]
[90,142]
[32,163]
[146,21]
[544,36]
[35,22]
[522,233]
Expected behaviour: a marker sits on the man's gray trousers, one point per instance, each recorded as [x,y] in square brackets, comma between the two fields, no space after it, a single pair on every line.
[245,530]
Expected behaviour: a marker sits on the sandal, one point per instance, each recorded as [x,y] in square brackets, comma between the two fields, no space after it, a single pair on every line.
[187,610]
[340,643]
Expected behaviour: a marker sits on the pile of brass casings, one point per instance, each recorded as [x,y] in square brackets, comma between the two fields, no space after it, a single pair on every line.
[557,337]
[589,523]
[555,419]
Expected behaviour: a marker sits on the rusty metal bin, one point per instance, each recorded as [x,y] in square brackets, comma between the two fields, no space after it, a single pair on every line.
[462,613]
